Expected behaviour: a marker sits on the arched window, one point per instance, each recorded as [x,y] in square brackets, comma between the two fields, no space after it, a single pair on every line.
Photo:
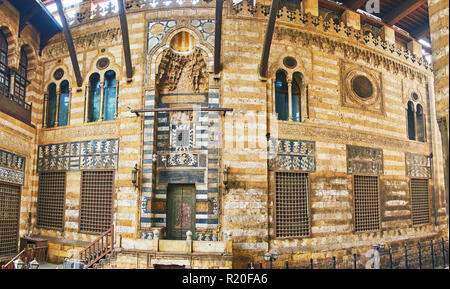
[51,105]
[296,99]
[109,98]
[64,96]
[420,124]
[411,122]
[4,71]
[94,101]
[20,82]
[281,95]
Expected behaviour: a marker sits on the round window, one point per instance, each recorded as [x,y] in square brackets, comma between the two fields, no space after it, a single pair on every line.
[102,63]
[415,96]
[290,62]
[58,74]
[362,86]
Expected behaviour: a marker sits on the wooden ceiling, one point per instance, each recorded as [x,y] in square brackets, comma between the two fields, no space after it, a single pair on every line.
[409,15]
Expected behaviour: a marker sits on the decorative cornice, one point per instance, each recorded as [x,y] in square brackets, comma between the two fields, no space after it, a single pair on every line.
[319,32]
[351,52]
[84,42]
[87,11]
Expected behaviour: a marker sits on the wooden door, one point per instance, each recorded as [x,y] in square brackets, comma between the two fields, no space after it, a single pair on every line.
[180,211]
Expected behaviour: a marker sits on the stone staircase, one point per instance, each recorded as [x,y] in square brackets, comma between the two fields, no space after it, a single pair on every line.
[157,253]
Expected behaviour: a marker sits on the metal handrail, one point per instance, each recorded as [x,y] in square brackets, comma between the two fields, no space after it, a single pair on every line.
[10,264]
[98,248]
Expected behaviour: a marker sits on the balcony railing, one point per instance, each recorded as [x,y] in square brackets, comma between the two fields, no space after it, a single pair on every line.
[90,11]
[15,107]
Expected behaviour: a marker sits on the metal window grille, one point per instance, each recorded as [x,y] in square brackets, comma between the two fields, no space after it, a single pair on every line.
[96,201]
[4,70]
[292,205]
[182,138]
[9,219]
[419,201]
[367,206]
[50,205]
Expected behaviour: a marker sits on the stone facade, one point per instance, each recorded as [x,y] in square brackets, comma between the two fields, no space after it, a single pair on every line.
[438,11]
[338,135]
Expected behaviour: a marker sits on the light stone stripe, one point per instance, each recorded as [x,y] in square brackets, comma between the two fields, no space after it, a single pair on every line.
[334,157]
[357,117]
[253,232]
[124,229]
[330,229]
[330,61]
[326,69]
[241,76]
[243,89]
[357,127]
[250,246]
[244,205]
[393,163]
[394,172]
[323,193]
[243,219]
[326,80]
[332,216]
[241,101]
[396,203]
[331,205]
[206,226]
[330,145]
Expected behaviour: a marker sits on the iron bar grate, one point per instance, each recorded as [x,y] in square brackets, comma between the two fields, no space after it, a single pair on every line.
[9,219]
[367,207]
[96,201]
[419,201]
[50,205]
[292,205]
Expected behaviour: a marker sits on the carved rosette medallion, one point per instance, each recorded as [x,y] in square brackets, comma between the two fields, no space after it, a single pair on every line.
[361,88]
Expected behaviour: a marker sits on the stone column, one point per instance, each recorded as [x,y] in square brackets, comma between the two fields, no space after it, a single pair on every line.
[44,113]
[439,22]
[290,98]
[102,95]
[58,95]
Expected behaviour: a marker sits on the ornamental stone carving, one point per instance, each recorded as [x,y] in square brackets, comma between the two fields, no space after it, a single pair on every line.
[173,65]
[86,41]
[364,160]
[12,168]
[418,165]
[361,88]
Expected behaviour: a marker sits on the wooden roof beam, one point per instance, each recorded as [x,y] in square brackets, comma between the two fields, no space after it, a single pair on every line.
[421,31]
[405,8]
[268,38]
[125,40]
[70,46]
[218,36]
[355,4]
